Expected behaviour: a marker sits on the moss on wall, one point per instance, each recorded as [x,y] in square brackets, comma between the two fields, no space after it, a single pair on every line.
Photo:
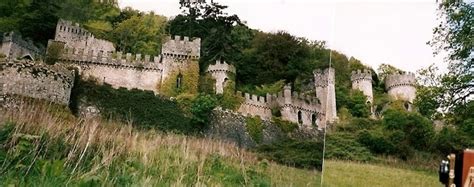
[284,125]
[254,126]
[230,100]
[189,81]
[54,51]
[207,84]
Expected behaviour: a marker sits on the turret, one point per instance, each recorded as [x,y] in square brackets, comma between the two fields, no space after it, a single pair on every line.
[362,80]
[178,47]
[326,92]
[401,86]
[220,71]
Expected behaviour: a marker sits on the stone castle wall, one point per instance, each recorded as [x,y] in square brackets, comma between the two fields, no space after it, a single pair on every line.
[116,69]
[294,107]
[362,80]
[77,37]
[220,72]
[401,86]
[14,46]
[26,78]
[324,81]
[182,47]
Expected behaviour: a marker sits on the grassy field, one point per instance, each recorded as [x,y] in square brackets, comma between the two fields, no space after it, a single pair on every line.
[44,145]
[343,173]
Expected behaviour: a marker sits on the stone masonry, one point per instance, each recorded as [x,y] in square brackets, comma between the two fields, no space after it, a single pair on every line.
[13,46]
[74,36]
[220,72]
[324,81]
[401,86]
[36,80]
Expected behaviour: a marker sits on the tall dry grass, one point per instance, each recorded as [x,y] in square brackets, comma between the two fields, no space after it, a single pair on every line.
[104,149]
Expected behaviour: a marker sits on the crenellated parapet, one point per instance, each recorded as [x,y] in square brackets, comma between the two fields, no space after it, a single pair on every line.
[221,66]
[400,79]
[255,105]
[401,86]
[37,80]
[361,75]
[114,60]
[74,36]
[181,48]
[220,72]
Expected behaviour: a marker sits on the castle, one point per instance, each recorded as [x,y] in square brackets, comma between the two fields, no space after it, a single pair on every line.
[13,46]
[176,67]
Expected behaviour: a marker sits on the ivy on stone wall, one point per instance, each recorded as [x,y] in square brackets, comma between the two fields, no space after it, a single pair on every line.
[207,84]
[142,108]
[254,126]
[284,125]
[189,81]
[54,51]
[230,100]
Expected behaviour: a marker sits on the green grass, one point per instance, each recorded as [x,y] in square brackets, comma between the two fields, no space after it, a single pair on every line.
[43,145]
[345,173]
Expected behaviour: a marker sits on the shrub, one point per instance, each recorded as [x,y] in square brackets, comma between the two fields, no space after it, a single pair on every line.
[54,51]
[254,126]
[344,146]
[285,126]
[303,154]
[230,100]
[201,109]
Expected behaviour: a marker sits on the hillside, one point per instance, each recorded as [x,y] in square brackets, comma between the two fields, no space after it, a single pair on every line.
[43,144]
[344,173]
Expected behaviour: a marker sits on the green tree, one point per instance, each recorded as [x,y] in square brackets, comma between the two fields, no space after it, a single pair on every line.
[140,34]
[201,109]
[454,35]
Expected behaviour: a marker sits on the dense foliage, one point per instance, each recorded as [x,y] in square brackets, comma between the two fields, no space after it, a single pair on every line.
[304,154]
[142,108]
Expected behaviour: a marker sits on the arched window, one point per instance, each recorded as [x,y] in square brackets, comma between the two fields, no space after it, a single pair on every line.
[300,118]
[179,81]
[313,120]
[224,83]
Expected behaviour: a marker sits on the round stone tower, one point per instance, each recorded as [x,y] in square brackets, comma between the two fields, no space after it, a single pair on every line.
[220,72]
[362,80]
[401,86]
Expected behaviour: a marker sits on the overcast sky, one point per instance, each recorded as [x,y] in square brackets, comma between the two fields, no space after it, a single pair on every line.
[373,31]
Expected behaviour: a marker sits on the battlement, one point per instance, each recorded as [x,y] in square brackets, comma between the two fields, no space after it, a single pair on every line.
[324,77]
[117,60]
[36,80]
[361,75]
[74,36]
[400,79]
[65,26]
[178,47]
[221,66]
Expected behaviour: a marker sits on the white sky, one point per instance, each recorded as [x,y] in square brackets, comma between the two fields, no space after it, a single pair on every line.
[375,32]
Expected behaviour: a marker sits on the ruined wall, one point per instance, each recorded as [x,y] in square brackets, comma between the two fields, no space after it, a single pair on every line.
[362,80]
[326,92]
[117,70]
[26,78]
[401,86]
[294,107]
[220,72]
[297,108]
[77,37]
[14,46]
[231,127]
[254,105]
